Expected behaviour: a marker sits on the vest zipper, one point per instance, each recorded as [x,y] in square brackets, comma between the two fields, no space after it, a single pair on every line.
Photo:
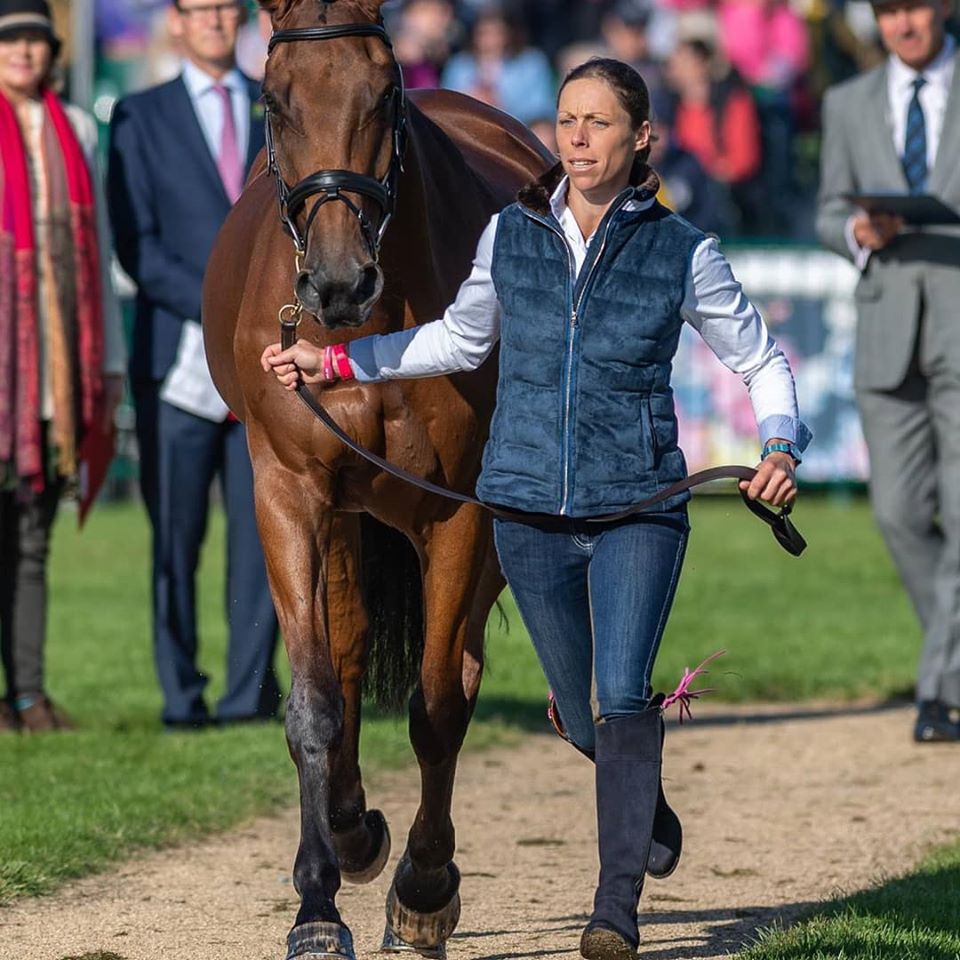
[573,325]
[574,309]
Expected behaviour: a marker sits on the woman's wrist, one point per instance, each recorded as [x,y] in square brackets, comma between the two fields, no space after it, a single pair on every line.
[778,445]
[335,363]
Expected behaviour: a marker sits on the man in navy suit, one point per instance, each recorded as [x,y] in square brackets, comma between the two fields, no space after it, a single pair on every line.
[179,154]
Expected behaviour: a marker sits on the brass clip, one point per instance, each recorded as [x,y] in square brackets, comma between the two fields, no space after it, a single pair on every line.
[291,319]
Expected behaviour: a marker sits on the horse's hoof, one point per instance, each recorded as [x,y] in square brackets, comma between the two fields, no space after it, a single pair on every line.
[323,940]
[422,931]
[374,825]
[393,944]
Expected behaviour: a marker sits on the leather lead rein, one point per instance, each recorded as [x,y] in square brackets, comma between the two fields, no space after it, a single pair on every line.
[783,529]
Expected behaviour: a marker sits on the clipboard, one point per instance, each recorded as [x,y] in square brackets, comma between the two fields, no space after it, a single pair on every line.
[917,209]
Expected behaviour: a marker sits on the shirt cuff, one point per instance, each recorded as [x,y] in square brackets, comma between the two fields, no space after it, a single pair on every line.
[785,428]
[861,255]
[363,360]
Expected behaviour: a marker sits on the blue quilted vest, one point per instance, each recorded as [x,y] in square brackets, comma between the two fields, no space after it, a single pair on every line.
[584,423]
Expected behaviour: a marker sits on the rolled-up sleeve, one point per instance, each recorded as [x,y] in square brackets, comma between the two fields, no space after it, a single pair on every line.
[460,340]
[716,306]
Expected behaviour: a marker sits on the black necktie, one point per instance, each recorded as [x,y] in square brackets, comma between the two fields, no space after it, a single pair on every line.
[915,143]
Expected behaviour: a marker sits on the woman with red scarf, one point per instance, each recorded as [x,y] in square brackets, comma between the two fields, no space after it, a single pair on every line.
[61,346]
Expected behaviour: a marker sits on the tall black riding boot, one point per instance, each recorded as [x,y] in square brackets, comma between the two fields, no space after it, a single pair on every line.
[628,783]
[667,831]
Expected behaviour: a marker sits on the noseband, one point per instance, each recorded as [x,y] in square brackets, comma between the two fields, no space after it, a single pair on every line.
[329,185]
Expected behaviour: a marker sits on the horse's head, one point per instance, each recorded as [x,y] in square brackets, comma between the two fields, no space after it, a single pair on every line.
[334,99]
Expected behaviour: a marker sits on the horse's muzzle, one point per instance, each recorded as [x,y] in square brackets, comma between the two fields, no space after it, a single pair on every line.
[338,301]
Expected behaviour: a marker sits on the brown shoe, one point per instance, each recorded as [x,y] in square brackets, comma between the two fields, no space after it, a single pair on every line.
[43,716]
[8,719]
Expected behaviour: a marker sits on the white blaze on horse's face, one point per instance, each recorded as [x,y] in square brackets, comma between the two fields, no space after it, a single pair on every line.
[333,102]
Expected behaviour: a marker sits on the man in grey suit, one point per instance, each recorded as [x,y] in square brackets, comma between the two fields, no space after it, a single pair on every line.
[896,130]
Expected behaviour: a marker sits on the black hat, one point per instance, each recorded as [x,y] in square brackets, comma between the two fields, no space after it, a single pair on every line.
[17,15]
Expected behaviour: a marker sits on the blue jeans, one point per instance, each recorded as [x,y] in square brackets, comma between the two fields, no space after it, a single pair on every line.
[595,599]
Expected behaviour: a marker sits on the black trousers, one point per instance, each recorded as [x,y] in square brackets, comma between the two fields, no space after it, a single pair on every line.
[24,548]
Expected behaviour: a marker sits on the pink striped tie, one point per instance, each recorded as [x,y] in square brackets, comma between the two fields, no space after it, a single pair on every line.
[229,162]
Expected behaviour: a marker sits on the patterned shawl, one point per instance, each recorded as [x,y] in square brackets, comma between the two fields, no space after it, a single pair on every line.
[73,316]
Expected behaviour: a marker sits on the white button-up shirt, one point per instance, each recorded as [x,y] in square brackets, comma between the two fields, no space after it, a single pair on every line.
[933,97]
[714,304]
[208,106]
[933,100]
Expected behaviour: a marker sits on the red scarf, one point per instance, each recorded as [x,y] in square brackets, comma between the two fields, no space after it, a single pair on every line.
[21,435]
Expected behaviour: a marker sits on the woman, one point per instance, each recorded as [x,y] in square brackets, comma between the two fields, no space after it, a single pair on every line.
[586,281]
[61,346]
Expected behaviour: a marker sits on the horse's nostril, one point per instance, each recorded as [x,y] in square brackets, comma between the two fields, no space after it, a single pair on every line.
[307,291]
[369,283]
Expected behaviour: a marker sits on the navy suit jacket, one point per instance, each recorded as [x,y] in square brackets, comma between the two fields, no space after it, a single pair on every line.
[167,203]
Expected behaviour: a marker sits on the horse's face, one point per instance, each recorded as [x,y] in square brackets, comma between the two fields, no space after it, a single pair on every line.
[332,105]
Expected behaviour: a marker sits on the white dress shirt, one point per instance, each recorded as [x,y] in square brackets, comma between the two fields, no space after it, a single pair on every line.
[933,100]
[208,105]
[714,304]
[933,97]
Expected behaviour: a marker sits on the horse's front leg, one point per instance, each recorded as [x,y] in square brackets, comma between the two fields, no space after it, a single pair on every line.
[461,584]
[361,836]
[295,531]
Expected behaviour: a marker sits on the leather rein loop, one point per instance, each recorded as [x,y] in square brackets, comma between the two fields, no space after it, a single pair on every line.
[327,185]
[783,529]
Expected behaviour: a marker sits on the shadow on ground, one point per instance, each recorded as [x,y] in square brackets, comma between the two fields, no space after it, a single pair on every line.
[772,715]
[530,715]
[723,931]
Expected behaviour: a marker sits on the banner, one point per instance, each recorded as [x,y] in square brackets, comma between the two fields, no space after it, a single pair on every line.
[806,298]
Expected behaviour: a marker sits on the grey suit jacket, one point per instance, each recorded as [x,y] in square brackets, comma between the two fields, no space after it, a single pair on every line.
[920,270]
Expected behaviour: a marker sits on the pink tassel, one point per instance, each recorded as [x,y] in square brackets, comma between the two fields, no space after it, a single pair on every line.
[683,694]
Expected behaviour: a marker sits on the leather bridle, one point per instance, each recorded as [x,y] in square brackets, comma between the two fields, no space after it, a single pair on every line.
[332,185]
[327,185]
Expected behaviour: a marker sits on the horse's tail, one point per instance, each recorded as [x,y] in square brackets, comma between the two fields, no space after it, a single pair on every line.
[393,596]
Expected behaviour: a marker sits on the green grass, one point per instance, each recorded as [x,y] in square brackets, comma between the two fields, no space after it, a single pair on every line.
[833,624]
[916,917]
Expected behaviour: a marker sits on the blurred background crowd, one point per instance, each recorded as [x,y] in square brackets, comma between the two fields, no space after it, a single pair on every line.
[736,84]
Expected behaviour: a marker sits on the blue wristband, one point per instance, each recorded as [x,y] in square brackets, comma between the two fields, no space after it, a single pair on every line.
[787,448]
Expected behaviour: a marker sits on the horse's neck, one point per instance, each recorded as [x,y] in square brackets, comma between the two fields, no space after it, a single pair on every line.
[442,208]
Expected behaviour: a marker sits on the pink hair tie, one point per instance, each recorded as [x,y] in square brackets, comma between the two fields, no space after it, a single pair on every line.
[341,361]
[326,361]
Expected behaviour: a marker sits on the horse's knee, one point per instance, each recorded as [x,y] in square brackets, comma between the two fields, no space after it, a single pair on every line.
[439,715]
[314,721]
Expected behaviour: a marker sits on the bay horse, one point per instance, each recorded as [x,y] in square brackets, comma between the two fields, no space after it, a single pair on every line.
[370,576]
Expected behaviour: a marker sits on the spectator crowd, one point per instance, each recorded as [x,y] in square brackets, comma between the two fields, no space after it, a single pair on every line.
[735,84]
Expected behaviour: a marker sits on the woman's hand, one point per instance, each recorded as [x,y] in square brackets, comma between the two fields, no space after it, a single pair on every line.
[301,361]
[776,480]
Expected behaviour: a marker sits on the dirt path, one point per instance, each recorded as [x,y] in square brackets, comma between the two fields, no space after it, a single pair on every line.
[781,808]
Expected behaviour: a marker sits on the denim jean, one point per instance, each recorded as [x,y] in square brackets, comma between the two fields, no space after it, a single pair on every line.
[595,599]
